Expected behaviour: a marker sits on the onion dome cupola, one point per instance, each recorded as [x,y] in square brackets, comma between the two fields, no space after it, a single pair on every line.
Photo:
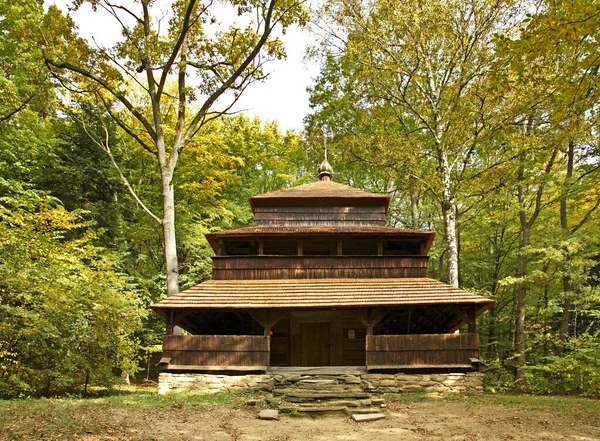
[325,171]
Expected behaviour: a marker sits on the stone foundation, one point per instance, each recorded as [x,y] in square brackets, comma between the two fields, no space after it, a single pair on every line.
[377,383]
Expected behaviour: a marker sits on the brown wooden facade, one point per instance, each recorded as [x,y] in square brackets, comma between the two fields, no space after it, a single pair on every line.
[321,281]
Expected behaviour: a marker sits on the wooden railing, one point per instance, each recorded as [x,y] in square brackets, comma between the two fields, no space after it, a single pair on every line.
[317,267]
[216,352]
[421,351]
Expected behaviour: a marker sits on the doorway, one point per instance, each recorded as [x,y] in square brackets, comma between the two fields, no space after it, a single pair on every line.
[315,342]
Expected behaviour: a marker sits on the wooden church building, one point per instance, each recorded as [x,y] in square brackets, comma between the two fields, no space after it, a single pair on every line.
[321,281]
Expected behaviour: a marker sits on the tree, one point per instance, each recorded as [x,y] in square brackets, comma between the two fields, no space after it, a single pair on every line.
[430,64]
[143,82]
[23,78]
[66,314]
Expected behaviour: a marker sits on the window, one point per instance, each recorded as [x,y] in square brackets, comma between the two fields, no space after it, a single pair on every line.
[240,248]
[400,248]
[319,248]
[280,247]
[359,247]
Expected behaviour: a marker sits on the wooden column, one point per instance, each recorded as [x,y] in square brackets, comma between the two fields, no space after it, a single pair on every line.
[170,323]
[267,323]
[371,321]
[472,321]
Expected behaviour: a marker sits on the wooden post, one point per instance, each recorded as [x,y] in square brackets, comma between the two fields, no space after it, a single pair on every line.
[371,321]
[472,321]
[380,247]
[170,323]
[300,247]
[260,248]
[267,323]
[339,247]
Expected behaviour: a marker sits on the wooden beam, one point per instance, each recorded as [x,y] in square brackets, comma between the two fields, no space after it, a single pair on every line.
[177,319]
[266,319]
[187,367]
[370,322]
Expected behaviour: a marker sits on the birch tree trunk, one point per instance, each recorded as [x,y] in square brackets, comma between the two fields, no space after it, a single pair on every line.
[448,203]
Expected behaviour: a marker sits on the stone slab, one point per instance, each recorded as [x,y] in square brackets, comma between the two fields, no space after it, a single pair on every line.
[269,414]
[365,417]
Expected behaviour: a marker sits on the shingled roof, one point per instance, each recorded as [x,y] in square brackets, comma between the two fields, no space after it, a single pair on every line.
[320,192]
[309,293]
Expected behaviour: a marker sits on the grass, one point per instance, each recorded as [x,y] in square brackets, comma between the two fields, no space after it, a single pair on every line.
[105,412]
[585,408]
[124,414]
[126,398]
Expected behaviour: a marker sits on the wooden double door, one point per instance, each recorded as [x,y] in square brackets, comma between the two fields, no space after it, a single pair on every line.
[315,344]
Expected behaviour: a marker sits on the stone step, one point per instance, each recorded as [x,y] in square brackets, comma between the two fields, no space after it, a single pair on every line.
[318,377]
[361,410]
[331,387]
[316,381]
[319,395]
[365,417]
[336,403]
[315,408]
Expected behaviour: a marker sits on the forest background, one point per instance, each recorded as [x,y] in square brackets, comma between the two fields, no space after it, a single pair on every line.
[478,118]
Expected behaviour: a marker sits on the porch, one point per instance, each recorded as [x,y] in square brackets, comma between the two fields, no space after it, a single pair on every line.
[382,353]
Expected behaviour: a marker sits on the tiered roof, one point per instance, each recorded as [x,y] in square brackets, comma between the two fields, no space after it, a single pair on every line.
[320,193]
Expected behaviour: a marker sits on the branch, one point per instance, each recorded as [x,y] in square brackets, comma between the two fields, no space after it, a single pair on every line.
[586,217]
[227,84]
[185,27]
[125,127]
[106,148]
[109,88]
[17,110]
[538,197]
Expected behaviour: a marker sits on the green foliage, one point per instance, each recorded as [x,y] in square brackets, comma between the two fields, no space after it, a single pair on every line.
[23,77]
[66,314]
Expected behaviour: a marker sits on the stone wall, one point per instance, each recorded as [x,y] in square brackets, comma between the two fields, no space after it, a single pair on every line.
[382,383]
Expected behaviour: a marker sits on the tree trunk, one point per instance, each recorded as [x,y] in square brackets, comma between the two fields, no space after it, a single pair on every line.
[168,224]
[414,203]
[449,215]
[566,279]
[521,289]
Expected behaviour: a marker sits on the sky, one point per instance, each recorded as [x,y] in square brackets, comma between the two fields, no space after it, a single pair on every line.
[281,97]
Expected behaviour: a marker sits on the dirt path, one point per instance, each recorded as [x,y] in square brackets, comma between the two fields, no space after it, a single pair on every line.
[466,419]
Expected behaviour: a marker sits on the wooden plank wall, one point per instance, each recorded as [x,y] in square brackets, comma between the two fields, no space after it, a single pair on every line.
[422,350]
[320,215]
[317,267]
[217,350]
